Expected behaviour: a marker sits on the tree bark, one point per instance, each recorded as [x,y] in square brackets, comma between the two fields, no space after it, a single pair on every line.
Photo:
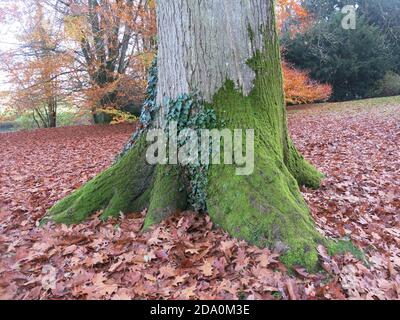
[52,107]
[227,53]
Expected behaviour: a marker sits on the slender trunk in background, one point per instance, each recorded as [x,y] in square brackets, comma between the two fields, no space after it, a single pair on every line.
[52,110]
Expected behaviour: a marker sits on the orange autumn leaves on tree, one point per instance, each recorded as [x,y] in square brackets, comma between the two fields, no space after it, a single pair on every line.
[115,42]
[292,9]
[37,68]
[91,54]
[299,87]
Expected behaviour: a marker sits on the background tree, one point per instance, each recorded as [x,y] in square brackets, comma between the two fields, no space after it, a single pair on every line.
[352,61]
[380,13]
[216,59]
[384,14]
[377,26]
[293,18]
[301,89]
[113,42]
[36,69]
[323,9]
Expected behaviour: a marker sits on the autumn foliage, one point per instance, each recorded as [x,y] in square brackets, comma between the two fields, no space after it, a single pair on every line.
[94,55]
[301,89]
[294,11]
[115,41]
[36,70]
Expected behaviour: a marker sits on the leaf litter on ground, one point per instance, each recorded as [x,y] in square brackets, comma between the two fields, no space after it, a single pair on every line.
[357,148]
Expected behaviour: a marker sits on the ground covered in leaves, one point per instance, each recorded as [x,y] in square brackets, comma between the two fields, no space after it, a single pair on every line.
[355,144]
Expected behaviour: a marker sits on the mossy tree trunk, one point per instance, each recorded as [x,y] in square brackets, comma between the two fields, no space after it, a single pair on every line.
[227,52]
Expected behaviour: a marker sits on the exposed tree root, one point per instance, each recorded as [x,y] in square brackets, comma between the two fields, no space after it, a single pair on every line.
[122,188]
[168,195]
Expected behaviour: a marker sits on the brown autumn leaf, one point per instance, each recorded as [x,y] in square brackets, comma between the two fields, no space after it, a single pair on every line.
[116,266]
[323,253]
[69,250]
[227,246]
[188,293]
[180,280]
[291,287]
[123,295]
[98,258]
[267,258]
[167,272]
[301,271]
[207,269]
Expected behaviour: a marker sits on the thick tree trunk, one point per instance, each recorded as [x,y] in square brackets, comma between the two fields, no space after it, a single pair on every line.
[227,53]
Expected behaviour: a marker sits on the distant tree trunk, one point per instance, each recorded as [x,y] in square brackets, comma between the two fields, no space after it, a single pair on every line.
[227,52]
[116,32]
[52,121]
[52,112]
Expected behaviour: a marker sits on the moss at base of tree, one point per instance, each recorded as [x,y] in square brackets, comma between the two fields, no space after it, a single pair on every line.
[301,169]
[167,195]
[342,247]
[122,188]
[266,208]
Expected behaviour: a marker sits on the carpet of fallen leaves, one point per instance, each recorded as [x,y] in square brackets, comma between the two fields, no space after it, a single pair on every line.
[185,257]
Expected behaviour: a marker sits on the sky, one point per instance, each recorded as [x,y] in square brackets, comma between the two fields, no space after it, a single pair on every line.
[8,31]
[7,42]
[8,37]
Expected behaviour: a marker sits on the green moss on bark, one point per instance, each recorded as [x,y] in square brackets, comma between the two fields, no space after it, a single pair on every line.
[301,169]
[265,208]
[122,188]
[167,196]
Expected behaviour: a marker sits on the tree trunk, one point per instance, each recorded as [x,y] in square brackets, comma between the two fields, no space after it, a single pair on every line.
[227,53]
[52,111]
